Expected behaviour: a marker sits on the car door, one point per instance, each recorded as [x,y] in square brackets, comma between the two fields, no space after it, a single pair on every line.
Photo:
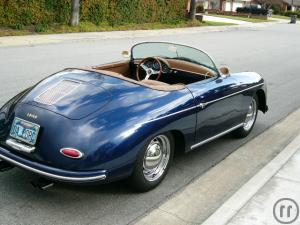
[218,104]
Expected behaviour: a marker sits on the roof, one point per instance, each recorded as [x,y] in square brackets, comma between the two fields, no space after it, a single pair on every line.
[295,2]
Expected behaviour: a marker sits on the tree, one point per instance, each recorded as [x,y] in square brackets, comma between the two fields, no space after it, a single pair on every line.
[74,21]
[192,14]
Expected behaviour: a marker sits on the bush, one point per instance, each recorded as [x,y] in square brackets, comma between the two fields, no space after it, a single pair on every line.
[41,27]
[290,13]
[252,10]
[277,10]
[40,13]
[200,8]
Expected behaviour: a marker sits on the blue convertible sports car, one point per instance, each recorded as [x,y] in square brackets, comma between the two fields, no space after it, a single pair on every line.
[126,119]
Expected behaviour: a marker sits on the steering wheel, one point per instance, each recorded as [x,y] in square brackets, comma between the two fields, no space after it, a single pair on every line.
[149,71]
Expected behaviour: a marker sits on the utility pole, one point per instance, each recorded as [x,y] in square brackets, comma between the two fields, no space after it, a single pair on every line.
[192,14]
[74,21]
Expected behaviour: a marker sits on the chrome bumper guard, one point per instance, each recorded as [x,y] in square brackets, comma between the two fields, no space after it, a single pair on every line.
[19,146]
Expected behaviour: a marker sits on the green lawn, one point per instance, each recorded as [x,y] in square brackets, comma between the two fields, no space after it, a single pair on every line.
[90,27]
[283,17]
[241,18]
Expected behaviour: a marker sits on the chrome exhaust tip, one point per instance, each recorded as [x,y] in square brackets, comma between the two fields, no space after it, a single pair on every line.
[42,184]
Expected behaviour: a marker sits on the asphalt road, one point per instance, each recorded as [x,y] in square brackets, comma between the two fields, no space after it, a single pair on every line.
[272,51]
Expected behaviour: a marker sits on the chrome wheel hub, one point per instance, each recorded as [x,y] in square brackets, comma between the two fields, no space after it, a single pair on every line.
[156,158]
[251,115]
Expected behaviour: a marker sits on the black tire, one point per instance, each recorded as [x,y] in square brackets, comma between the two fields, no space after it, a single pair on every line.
[138,180]
[242,132]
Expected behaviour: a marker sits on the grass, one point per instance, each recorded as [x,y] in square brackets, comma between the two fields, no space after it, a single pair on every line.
[283,17]
[90,27]
[252,20]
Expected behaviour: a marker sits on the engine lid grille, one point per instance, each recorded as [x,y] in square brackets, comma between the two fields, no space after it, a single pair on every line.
[55,93]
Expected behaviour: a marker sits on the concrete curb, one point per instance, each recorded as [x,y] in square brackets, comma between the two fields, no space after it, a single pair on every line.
[30,40]
[246,192]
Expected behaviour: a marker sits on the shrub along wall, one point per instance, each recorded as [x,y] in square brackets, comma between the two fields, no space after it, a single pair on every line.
[290,13]
[18,13]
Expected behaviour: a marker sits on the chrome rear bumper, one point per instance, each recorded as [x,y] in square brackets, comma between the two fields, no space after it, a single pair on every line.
[51,172]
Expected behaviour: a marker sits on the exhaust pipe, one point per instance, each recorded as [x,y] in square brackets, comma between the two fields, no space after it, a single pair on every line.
[5,166]
[42,184]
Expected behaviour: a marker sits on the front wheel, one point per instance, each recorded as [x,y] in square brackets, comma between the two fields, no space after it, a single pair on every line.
[249,120]
[153,162]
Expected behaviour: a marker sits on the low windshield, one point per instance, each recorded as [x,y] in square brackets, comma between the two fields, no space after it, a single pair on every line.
[172,51]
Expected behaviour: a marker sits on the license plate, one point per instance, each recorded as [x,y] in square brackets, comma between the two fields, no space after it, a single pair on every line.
[24,131]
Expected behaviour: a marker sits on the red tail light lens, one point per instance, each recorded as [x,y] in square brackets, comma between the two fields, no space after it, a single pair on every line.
[71,153]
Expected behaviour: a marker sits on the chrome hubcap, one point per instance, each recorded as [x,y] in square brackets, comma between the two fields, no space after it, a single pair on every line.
[156,158]
[251,115]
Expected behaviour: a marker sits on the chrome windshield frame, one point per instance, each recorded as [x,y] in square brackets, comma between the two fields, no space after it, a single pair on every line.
[172,43]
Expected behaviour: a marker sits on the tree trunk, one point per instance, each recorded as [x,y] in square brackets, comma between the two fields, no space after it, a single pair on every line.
[74,21]
[192,15]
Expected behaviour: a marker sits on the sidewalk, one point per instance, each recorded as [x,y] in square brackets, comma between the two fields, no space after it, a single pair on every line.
[31,40]
[242,189]
[275,202]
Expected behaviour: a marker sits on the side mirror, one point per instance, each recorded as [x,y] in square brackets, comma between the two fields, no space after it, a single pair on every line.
[225,71]
[126,54]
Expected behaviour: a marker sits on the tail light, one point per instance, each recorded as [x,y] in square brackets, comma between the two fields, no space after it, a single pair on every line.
[71,153]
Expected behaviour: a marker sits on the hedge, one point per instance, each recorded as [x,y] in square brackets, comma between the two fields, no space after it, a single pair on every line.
[18,13]
[252,10]
[290,13]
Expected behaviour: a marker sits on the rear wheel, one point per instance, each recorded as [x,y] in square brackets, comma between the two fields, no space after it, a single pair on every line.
[153,162]
[249,120]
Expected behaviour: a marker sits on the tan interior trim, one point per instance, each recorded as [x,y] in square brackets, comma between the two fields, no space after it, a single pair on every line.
[162,87]
[121,67]
[189,67]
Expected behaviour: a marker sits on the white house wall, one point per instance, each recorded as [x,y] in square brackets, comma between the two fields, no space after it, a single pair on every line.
[235,5]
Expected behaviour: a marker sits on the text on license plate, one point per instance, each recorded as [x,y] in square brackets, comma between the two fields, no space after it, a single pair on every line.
[24,131]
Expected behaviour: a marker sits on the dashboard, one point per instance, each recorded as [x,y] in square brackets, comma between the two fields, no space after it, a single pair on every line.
[174,65]
[155,66]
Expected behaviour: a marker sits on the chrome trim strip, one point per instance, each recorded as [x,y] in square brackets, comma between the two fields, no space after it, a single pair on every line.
[19,146]
[227,96]
[203,105]
[216,136]
[54,176]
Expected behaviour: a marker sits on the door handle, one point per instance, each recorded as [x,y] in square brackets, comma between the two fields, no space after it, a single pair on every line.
[202,105]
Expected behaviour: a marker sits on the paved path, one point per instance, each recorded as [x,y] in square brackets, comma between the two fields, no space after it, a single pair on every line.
[283,185]
[224,20]
[32,40]
[272,50]
[271,197]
